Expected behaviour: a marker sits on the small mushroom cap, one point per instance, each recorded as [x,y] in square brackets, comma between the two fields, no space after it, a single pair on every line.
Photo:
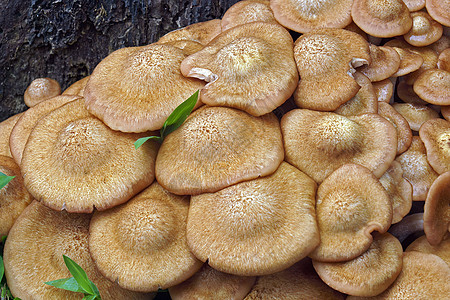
[409,61]
[217,147]
[318,143]
[423,276]
[297,282]
[135,89]
[350,204]
[435,134]
[433,86]
[404,133]
[41,89]
[6,127]
[384,90]
[436,215]
[256,227]
[34,252]
[247,11]
[305,16]
[142,245]
[201,32]
[233,62]
[442,250]
[77,88]
[414,5]
[209,283]
[13,197]
[439,10]
[385,61]
[444,60]
[382,18]
[75,162]
[424,31]
[415,114]
[368,274]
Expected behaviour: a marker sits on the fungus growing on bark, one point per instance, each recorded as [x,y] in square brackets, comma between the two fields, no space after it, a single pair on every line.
[41,89]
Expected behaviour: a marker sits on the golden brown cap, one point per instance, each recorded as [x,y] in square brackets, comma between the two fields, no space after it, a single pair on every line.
[404,133]
[444,60]
[414,5]
[201,32]
[6,127]
[384,90]
[189,47]
[433,86]
[424,31]
[77,88]
[385,61]
[439,10]
[41,89]
[435,134]
[256,227]
[73,161]
[247,11]
[442,250]
[409,61]
[415,114]
[217,147]
[441,44]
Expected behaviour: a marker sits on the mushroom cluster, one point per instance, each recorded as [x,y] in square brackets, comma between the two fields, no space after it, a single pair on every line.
[282,183]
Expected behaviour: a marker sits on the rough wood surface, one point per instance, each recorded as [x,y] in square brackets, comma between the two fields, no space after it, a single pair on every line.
[65,39]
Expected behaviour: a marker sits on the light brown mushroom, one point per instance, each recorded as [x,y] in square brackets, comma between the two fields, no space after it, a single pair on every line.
[445,111]
[201,32]
[424,31]
[187,46]
[41,89]
[442,250]
[404,133]
[6,127]
[409,61]
[406,93]
[433,86]
[384,90]
[247,11]
[77,88]
[439,10]
[444,60]
[414,5]
[440,45]
[435,134]
[385,62]
[415,114]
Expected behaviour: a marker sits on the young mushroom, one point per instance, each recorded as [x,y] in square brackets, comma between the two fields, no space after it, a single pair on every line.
[424,31]
[247,11]
[41,89]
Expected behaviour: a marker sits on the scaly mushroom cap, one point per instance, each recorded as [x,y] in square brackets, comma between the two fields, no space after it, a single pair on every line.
[415,114]
[6,127]
[77,88]
[41,89]
[256,227]
[217,147]
[423,276]
[325,60]
[22,129]
[368,274]
[409,62]
[444,60]
[384,90]
[439,10]
[318,143]
[142,245]
[433,86]
[201,32]
[422,245]
[424,31]
[435,134]
[233,62]
[416,169]
[350,204]
[34,252]
[414,5]
[382,18]
[308,15]
[73,161]
[404,133]
[297,282]
[436,216]
[385,61]
[13,197]
[209,283]
[247,11]
[135,89]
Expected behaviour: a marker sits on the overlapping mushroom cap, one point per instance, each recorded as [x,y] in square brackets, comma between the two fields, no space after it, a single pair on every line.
[73,161]
[202,32]
[385,61]
[41,89]
[5,133]
[424,31]
[247,11]
[442,250]
[404,133]
[433,86]
[435,134]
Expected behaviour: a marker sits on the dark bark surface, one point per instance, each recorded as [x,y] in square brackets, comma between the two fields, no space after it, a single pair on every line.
[65,39]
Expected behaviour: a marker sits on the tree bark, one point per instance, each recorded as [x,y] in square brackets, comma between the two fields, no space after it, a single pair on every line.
[65,39]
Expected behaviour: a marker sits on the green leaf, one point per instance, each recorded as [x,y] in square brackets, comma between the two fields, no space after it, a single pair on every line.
[79,274]
[141,141]
[4,238]
[69,284]
[179,115]
[90,297]
[2,268]
[5,179]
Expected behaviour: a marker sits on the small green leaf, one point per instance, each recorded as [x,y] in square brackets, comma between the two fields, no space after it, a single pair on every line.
[2,268]
[5,179]
[90,297]
[141,141]
[69,284]
[4,239]
[79,274]
[179,115]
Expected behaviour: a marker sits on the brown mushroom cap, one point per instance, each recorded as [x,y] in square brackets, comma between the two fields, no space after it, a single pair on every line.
[217,147]
[189,47]
[385,62]
[350,204]
[445,111]
[247,11]
[34,252]
[318,143]
[384,90]
[75,162]
[13,197]
[201,32]
[142,245]
[77,88]
[439,10]
[440,45]
[382,18]
[305,16]
[433,86]
[415,114]
[6,127]
[409,61]
[135,89]
[256,227]
[414,5]
[41,89]
[424,31]
[435,134]
[404,133]
[209,283]
[233,62]
[442,250]
[444,60]
[368,274]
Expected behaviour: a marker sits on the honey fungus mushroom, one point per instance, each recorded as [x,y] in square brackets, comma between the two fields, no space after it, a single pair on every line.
[41,89]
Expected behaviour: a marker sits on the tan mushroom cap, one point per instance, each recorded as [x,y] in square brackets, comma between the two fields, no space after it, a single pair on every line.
[422,245]
[353,27]
[41,89]
[424,31]
[318,143]
[297,282]
[326,59]
[350,204]
[189,47]
[22,129]
[435,134]
[77,88]
[409,61]
[308,15]
[445,111]
[233,62]
[439,10]
[201,32]
[423,276]
[368,274]
[256,227]
[209,283]
[404,133]
[6,127]
[34,252]
[13,197]
[433,86]
[141,245]
[416,169]
[444,60]
[399,190]
[414,5]
[385,62]
[247,11]
[440,45]
[415,114]
[406,93]
[135,89]
[217,147]
[384,90]
[382,18]
[73,161]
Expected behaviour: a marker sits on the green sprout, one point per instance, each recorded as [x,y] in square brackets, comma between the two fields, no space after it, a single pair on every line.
[5,179]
